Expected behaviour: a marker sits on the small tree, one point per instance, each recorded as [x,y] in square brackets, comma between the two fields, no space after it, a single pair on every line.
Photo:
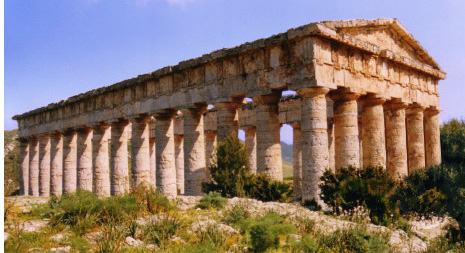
[230,168]
[231,178]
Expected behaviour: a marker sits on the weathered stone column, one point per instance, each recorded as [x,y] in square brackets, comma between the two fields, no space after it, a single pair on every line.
[268,136]
[164,137]
[84,158]
[56,164]
[210,144]
[331,145]
[140,158]
[23,167]
[69,161]
[226,116]
[179,162]
[100,160]
[119,164]
[373,139]
[251,145]
[44,165]
[415,138]
[194,150]
[347,145]
[33,166]
[314,140]
[297,160]
[153,168]
[396,139]
[432,142]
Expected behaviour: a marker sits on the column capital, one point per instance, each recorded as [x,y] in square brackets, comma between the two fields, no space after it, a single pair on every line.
[313,91]
[395,104]
[194,109]
[431,111]
[43,136]
[414,108]
[165,114]
[343,94]
[373,99]
[142,118]
[227,105]
[296,125]
[84,129]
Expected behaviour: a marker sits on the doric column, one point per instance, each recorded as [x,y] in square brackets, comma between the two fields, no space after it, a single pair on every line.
[373,139]
[164,137]
[347,146]
[179,162]
[432,143]
[331,145]
[56,164]
[251,145]
[268,136]
[314,140]
[119,164]
[69,161]
[153,168]
[44,165]
[84,158]
[23,167]
[297,160]
[140,158]
[100,160]
[415,138]
[194,150]
[33,166]
[210,144]
[226,116]
[396,145]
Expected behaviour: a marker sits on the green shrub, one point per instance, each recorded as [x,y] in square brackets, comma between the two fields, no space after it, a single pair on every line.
[152,199]
[348,188]
[212,200]
[231,178]
[352,241]
[265,232]
[162,229]
[439,190]
[237,213]
[307,245]
[453,143]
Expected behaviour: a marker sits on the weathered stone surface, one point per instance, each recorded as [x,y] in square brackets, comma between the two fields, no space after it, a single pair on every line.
[119,158]
[44,165]
[314,141]
[432,134]
[194,151]
[346,134]
[23,167]
[227,121]
[56,164]
[396,139]
[69,161]
[166,170]
[297,160]
[373,140]
[179,156]
[415,138]
[251,145]
[84,159]
[33,167]
[140,150]
[100,160]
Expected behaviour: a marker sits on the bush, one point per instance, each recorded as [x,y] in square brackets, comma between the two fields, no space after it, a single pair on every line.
[353,241]
[212,200]
[453,143]
[439,190]
[162,229]
[266,232]
[231,178]
[348,188]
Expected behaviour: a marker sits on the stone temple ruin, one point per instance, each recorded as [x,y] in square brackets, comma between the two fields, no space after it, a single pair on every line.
[367,95]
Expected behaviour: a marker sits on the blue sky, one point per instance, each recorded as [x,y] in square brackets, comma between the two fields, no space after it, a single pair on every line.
[57,49]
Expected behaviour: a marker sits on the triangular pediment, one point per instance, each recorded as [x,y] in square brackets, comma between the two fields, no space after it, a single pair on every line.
[387,34]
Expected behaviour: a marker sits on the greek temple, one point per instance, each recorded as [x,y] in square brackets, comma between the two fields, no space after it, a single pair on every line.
[366,94]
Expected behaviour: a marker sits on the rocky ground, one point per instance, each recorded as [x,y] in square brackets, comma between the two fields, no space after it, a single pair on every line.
[422,230]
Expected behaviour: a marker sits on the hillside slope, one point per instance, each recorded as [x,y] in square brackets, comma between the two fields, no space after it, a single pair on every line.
[11,156]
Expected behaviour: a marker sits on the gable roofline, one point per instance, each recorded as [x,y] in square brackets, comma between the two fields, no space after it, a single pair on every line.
[395,25]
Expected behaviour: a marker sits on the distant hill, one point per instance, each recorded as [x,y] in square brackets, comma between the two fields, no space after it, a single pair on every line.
[11,164]
[286,150]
